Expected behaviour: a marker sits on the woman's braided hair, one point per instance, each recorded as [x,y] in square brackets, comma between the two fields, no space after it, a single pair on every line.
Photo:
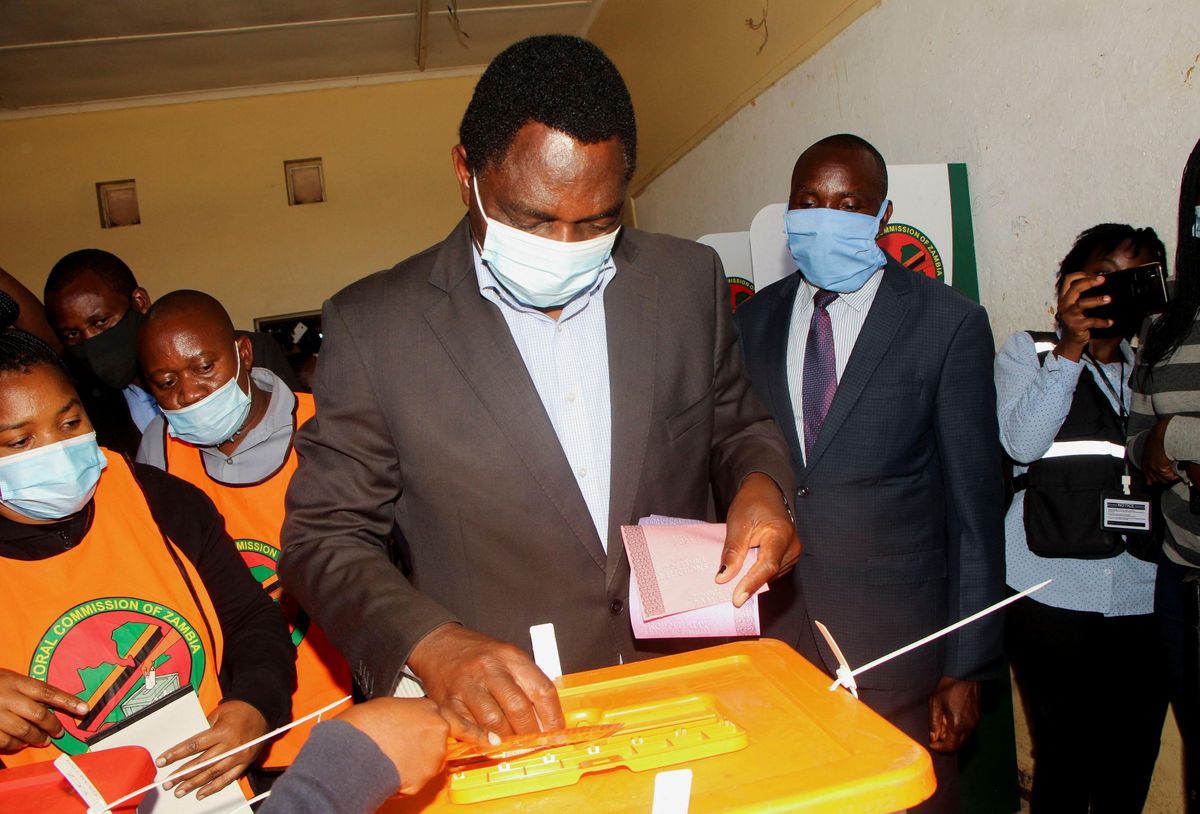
[19,350]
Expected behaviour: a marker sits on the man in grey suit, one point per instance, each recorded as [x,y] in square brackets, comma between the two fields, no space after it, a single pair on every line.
[881,379]
[514,394]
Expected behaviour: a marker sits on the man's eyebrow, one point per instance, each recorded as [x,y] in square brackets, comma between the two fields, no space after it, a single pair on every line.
[74,402]
[15,426]
[841,193]
[537,214]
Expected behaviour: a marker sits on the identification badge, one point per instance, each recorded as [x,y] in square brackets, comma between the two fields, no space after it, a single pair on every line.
[1126,514]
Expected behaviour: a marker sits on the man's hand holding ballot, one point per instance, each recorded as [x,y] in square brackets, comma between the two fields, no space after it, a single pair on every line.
[498,686]
[758,518]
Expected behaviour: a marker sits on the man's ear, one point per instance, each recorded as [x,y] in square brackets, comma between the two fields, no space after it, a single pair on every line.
[246,351]
[887,215]
[141,300]
[458,155]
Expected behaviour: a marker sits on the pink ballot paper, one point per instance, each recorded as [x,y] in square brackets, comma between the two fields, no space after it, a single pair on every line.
[671,592]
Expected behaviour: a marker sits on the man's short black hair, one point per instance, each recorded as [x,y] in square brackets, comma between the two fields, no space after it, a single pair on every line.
[563,82]
[849,141]
[105,265]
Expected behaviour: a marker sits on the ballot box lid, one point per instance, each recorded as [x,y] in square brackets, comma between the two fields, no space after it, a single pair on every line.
[803,748]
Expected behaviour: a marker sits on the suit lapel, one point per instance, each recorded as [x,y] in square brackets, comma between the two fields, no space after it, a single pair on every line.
[477,339]
[631,320]
[883,319]
[777,327]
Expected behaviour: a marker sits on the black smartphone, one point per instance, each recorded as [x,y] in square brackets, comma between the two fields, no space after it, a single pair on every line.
[1136,293]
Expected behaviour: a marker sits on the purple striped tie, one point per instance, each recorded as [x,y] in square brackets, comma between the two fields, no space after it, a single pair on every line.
[820,369]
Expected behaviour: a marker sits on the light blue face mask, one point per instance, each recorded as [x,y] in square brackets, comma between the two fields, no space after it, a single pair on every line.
[54,481]
[215,418]
[537,271]
[835,249]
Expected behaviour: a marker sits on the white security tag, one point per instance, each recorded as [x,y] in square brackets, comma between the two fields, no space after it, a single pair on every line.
[1126,514]
[672,792]
[79,781]
[545,650]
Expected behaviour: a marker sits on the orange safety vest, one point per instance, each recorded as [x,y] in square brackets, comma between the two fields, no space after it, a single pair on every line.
[253,517]
[96,619]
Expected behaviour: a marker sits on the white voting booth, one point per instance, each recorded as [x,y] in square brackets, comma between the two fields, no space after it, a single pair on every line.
[930,232]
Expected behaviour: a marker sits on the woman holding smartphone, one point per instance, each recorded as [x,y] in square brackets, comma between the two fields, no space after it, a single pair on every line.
[1080,646]
[1164,441]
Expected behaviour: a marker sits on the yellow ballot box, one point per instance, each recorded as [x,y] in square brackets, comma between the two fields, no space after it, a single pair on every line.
[754,721]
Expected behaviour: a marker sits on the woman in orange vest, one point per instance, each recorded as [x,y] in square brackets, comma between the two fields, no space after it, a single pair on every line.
[122,586]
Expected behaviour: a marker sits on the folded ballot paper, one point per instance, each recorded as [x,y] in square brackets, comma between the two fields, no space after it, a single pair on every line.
[167,721]
[672,595]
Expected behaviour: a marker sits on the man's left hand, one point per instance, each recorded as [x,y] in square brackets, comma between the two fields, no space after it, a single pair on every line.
[758,518]
[953,714]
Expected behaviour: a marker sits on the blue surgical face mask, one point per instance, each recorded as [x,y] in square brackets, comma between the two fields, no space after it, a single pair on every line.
[54,481]
[835,249]
[540,272]
[215,418]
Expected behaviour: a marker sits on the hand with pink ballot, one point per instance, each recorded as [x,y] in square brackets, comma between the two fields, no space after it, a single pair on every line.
[757,518]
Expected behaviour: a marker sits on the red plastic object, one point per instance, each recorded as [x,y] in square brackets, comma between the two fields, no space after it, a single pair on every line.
[39,788]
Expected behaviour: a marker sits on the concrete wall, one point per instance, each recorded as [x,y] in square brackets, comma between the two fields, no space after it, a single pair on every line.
[690,64]
[1068,113]
[212,193]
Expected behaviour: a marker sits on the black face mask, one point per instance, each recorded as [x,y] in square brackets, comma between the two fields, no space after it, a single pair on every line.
[111,356]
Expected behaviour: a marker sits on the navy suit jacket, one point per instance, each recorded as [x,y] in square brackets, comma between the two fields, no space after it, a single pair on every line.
[899,504]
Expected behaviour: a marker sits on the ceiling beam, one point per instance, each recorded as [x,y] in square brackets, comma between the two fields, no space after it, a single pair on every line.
[207,32]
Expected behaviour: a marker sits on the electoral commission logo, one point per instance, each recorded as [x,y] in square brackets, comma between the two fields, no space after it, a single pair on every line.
[740,290]
[119,654]
[912,248]
[263,561]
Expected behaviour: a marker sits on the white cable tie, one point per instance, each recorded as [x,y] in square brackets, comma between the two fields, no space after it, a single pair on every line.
[950,629]
[217,759]
[240,807]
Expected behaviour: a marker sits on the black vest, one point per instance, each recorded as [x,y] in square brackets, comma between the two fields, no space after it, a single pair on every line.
[1063,492]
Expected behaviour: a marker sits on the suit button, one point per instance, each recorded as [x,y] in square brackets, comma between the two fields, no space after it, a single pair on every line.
[802,491]
[615,607]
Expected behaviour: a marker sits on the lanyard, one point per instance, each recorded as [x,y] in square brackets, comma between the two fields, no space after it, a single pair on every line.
[1119,395]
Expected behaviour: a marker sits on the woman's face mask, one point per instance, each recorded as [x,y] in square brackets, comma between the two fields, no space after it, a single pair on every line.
[54,481]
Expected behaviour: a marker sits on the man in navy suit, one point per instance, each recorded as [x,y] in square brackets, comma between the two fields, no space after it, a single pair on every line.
[881,379]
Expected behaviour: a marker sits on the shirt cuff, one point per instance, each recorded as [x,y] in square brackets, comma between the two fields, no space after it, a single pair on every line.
[1056,362]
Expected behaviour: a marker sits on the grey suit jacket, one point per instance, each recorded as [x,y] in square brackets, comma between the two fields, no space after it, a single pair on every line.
[427,418]
[899,504]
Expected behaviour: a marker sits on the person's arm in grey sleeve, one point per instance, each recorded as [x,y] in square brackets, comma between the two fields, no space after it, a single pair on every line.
[745,437]
[351,765]
[339,771]
[340,511]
